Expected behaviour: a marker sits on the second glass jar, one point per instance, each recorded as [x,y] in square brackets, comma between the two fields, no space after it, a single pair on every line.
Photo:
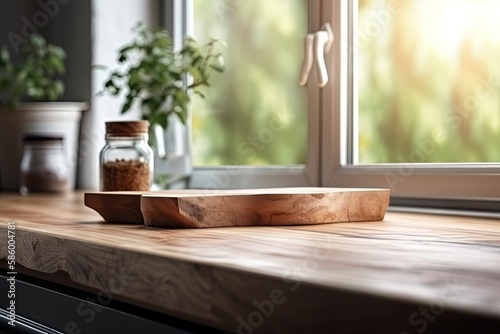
[126,161]
[43,166]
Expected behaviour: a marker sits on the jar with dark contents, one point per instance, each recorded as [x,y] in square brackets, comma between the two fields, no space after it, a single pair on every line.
[43,165]
[126,161]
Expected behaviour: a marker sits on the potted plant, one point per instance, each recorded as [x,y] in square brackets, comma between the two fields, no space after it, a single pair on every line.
[161,81]
[27,85]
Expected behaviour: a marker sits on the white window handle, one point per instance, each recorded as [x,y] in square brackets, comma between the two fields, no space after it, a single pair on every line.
[308,59]
[316,45]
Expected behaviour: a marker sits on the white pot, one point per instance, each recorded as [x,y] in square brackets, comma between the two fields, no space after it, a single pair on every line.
[54,118]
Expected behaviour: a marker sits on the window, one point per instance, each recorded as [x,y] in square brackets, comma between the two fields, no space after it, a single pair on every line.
[428,82]
[256,126]
[255,113]
[412,104]
[417,101]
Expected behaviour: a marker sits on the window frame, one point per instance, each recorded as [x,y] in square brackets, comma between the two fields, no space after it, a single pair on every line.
[177,16]
[465,186]
[332,136]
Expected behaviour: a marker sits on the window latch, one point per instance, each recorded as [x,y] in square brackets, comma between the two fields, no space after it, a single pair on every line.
[316,45]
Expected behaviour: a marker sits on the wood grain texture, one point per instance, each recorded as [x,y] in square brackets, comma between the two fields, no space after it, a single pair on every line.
[247,207]
[332,276]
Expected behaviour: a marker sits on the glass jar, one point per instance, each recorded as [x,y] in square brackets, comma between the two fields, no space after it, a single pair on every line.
[126,161]
[43,165]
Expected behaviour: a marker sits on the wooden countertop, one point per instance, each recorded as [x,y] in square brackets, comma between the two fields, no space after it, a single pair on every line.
[270,279]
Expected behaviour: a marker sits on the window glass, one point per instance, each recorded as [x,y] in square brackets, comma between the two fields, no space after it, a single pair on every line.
[428,81]
[255,113]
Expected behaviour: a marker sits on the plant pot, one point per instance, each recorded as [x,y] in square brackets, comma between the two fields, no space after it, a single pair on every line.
[52,118]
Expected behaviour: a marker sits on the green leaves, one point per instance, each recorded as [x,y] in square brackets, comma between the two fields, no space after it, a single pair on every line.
[153,73]
[218,65]
[36,76]
[4,56]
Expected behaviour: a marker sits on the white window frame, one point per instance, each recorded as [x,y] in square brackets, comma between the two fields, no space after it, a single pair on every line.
[332,136]
[465,186]
[177,16]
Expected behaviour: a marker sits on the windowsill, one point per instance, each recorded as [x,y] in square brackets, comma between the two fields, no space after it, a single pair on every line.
[445,212]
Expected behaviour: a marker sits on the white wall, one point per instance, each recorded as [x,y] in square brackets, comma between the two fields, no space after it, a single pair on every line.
[111,24]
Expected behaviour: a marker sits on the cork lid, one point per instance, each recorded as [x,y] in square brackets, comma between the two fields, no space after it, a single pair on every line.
[126,128]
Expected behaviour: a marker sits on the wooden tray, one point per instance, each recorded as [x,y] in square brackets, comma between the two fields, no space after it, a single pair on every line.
[242,207]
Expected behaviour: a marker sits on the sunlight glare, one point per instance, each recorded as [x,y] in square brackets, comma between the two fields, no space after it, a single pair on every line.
[446,25]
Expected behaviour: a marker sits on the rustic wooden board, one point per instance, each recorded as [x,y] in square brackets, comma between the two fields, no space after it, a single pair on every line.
[276,206]
[193,208]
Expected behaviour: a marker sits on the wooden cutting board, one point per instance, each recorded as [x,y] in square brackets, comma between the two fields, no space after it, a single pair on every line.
[123,207]
[242,207]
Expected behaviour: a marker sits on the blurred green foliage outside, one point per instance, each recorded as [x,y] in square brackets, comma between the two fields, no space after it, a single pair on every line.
[255,113]
[429,81]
